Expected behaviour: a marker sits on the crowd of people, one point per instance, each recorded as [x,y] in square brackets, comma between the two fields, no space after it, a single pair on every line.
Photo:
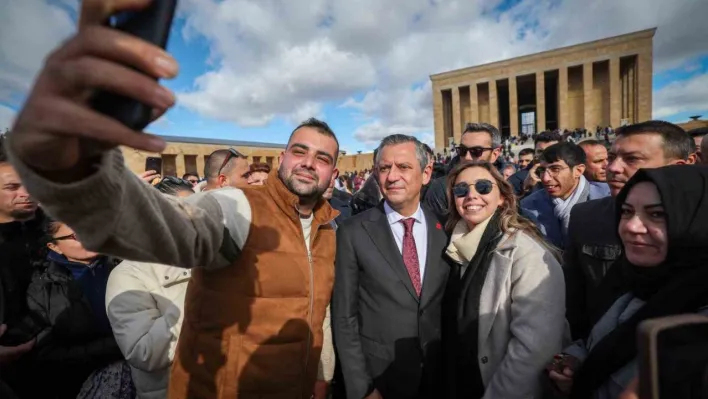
[473,273]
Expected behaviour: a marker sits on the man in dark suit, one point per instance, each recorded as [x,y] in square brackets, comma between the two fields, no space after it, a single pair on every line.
[592,243]
[389,283]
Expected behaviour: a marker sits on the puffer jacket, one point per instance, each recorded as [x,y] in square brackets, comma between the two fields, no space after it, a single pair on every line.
[75,340]
[145,305]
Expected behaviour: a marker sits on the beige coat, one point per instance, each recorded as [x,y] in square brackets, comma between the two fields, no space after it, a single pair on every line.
[521,318]
[145,305]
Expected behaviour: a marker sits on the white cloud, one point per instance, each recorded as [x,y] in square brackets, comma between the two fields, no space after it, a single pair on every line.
[281,59]
[7,117]
[29,30]
[683,96]
[288,58]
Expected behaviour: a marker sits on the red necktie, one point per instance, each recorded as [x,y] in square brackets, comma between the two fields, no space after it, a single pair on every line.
[410,254]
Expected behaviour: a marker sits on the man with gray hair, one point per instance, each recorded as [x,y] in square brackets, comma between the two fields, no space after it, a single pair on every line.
[226,168]
[479,142]
[389,282]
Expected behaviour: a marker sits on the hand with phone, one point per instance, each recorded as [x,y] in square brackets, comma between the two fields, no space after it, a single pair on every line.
[561,370]
[532,179]
[58,133]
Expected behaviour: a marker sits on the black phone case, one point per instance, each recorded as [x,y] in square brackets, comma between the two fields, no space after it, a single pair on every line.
[152,25]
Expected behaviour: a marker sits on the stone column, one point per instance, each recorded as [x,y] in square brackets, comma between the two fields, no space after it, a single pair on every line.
[493,104]
[438,119]
[474,103]
[644,83]
[563,97]
[540,102]
[590,120]
[179,164]
[456,115]
[615,93]
[513,107]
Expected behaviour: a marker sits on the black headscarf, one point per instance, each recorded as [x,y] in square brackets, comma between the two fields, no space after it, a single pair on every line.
[676,286]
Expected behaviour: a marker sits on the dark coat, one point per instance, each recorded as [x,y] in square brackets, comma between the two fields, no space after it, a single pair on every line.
[386,336]
[592,245]
[73,342]
[21,247]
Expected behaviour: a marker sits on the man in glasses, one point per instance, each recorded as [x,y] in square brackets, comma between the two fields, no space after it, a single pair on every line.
[525,183]
[560,170]
[192,178]
[226,168]
[479,142]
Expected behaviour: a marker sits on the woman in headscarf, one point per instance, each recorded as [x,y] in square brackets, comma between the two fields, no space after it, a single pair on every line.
[506,294]
[662,219]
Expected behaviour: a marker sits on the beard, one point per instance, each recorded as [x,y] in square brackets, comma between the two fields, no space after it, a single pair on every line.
[24,214]
[306,193]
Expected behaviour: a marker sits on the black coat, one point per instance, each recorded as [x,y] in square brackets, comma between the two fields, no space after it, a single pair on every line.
[386,336]
[592,247]
[72,344]
[21,247]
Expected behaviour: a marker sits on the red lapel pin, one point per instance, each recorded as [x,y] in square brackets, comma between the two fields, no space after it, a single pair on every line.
[438,226]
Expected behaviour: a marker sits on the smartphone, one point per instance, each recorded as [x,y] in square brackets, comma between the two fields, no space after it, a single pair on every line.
[152,25]
[673,357]
[153,163]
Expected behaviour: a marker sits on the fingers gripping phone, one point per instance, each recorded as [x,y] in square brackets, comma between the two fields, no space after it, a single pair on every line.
[152,25]
[153,163]
[673,357]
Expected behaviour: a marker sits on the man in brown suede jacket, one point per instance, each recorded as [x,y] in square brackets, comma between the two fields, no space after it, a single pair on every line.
[263,257]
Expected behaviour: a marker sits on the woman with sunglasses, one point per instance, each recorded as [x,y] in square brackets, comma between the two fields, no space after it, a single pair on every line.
[505,309]
[76,346]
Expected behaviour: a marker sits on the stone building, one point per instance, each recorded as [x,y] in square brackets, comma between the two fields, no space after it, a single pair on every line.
[188,154]
[606,82]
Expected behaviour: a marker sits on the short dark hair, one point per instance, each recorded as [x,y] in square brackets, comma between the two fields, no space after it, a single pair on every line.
[172,186]
[215,160]
[547,137]
[526,151]
[590,143]
[3,153]
[186,175]
[484,127]
[677,143]
[570,153]
[322,127]
[698,132]
[259,167]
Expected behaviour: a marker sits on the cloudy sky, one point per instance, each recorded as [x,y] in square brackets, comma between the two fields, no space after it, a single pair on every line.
[251,69]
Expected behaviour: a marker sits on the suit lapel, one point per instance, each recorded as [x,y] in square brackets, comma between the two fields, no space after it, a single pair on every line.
[436,271]
[380,232]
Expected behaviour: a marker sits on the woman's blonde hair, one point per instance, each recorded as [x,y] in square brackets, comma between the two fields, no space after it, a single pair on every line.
[510,220]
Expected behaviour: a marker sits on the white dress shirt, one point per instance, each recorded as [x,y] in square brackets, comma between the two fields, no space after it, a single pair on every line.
[420,233]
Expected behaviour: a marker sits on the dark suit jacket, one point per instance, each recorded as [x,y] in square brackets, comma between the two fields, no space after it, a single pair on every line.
[386,337]
[592,246]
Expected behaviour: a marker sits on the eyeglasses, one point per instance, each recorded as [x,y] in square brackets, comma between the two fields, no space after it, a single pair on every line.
[71,236]
[553,171]
[232,154]
[193,181]
[482,186]
[476,152]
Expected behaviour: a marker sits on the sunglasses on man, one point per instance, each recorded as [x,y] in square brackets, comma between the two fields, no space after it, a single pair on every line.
[232,154]
[476,152]
[482,186]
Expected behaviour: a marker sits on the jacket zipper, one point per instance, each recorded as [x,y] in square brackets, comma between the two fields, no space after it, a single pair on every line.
[312,287]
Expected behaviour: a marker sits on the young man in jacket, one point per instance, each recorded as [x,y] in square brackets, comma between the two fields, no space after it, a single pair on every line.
[263,258]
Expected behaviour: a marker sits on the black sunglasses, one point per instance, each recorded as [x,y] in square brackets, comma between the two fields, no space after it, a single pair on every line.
[66,237]
[476,152]
[232,154]
[482,186]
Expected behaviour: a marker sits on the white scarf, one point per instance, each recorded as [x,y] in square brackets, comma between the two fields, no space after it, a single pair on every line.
[562,207]
[463,243]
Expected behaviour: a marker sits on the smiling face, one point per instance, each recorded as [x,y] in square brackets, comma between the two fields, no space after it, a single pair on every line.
[401,178]
[65,243]
[308,164]
[559,179]
[475,208]
[642,226]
